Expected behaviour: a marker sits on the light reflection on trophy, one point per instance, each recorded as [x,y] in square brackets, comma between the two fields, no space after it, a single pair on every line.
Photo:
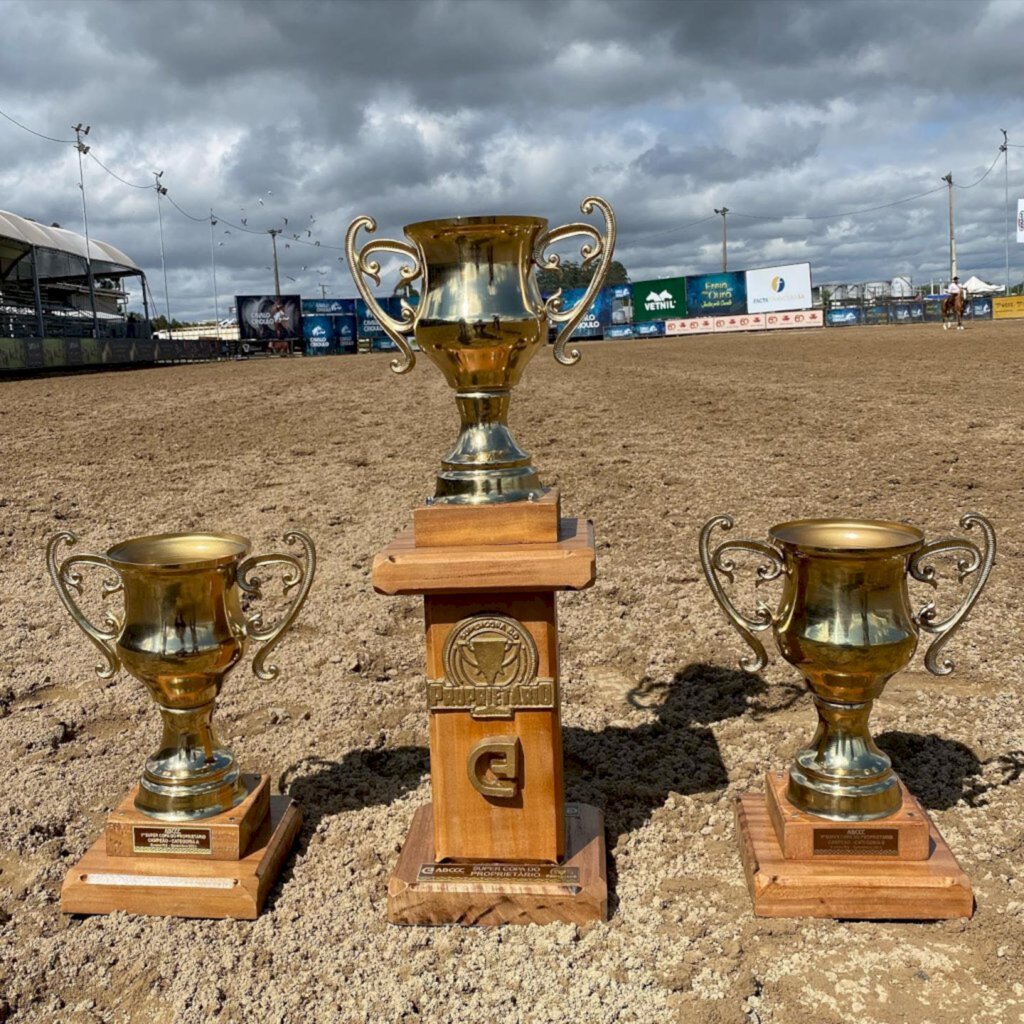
[481,318]
[845,622]
[181,632]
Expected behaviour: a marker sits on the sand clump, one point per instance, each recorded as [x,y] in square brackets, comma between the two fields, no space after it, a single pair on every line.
[661,729]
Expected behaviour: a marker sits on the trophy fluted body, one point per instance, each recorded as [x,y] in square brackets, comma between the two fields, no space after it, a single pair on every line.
[181,631]
[845,621]
[480,319]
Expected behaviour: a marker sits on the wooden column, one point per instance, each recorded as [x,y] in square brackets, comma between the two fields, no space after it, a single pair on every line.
[498,818]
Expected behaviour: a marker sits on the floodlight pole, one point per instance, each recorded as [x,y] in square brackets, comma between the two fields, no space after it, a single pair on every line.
[162,191]
[213,264]
[725,241]
[80,130]
[1005,149]
[948,179]
[274,232]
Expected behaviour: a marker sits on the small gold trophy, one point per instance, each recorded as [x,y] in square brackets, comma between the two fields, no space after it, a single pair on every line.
[195,837]
[839,835]
[498,844]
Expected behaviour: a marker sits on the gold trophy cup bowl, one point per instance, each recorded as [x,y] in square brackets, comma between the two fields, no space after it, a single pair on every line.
[181,632]
[845,622]
[480,318]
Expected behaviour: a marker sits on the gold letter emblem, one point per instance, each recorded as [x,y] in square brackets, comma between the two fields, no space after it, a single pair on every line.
[499,755]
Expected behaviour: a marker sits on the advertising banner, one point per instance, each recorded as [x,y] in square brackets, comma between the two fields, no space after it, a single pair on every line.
[773,289]
[980,308]
[716,294]
[659,300]
[267,319]
[1020,220]
[804,318]
[342,306]
[844,316]
[622,303]
[597,317]
[319,334]
[367,325]
[691,325]
[345,332]
[876,314]
[650,329]
[619,331]
[932,309]
[1009,307]
[906,312]
[743,322]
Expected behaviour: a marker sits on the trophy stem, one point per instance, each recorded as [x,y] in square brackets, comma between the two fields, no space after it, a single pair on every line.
[486,465]
[193,775]
[842,775]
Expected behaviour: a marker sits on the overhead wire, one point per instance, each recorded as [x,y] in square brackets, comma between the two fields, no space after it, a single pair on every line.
[123,181]
[32,131]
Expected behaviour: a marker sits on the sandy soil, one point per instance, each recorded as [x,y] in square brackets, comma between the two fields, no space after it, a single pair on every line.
[648,439]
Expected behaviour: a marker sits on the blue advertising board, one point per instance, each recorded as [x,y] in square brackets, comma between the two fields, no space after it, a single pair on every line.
[329,306]
[345,332]
[844,316]
[980,308]
[878,313]
[319,335]
[619,331]
[906,312]
[716,294]
[597,317]
[650,329]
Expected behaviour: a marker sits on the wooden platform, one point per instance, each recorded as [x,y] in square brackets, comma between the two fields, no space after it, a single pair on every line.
[569,563]
[176,886]
[905,835]
[225,836]
[421,891]
[512,522]
[858,888]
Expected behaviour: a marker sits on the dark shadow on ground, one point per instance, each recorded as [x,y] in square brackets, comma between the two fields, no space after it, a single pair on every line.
[938,771]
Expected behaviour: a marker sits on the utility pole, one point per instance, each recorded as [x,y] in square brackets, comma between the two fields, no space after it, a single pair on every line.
[948,179]
[213,264]
[80,130]
[161,191]
[725,241]
[274,232]
[323,291]
[1005,150]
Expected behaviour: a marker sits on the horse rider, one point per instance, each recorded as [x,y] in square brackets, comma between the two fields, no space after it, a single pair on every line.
[956,293]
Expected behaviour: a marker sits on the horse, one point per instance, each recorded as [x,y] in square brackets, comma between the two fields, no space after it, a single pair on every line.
[953,308]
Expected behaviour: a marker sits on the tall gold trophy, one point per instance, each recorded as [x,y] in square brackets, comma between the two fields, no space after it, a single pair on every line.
[838,834]
[195,837]
[489,552]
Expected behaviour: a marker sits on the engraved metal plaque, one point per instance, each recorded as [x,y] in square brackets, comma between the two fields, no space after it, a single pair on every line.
[490,669]
[171,839]
[856,842]
[544,874]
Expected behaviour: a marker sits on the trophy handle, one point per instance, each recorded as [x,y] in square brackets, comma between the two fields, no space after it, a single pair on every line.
[977,561]
[603,247]
[396,330]
[301,576]
[68,582]
[715,562]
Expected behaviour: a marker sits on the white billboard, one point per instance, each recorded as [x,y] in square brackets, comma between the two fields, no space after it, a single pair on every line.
[773,289]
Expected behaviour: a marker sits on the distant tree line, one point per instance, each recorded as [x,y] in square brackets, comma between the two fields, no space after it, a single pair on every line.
[571,275]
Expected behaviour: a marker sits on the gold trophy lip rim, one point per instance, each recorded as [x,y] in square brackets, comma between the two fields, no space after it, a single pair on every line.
[116,553]
[789,535]
[478,220]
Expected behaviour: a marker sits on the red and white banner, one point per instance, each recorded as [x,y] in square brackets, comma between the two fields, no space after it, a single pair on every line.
[804,318]
[695,325]
[739,322]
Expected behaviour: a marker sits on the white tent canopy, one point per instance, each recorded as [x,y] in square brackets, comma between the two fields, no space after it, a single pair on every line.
[975,286]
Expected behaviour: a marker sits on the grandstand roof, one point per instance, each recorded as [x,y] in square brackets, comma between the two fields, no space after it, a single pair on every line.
[31,233]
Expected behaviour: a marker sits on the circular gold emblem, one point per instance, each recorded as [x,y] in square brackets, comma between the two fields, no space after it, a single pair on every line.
[489,650]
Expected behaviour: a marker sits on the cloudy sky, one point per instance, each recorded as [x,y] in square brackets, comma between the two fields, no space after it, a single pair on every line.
[781,110]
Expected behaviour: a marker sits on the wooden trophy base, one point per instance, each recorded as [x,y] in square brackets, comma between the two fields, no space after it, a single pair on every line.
[873,870]
[421,891]
[145,866]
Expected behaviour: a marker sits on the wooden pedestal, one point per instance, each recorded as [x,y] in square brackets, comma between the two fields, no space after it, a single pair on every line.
[184,871]
[873,870]
[489,576]
[423,891]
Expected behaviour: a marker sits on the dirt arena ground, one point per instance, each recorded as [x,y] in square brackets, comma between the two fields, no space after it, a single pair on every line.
[661,729]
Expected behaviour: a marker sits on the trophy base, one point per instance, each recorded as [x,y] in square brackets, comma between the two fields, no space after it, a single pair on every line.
[843,871]
[173,871]
[422,891]
[515,522]
[487,486]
